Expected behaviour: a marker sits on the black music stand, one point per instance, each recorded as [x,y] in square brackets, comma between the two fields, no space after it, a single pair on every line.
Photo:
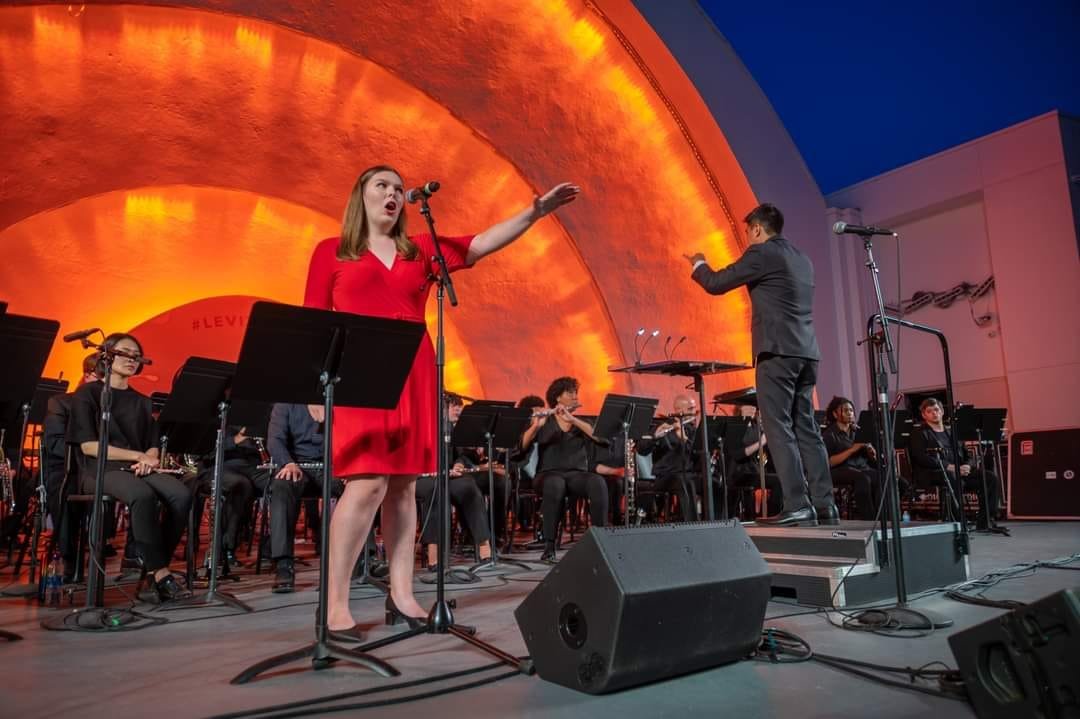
[26,342]
[34,516]
[976,425]
[630,416]
[492,425]
[199,395]
[300,355]
[695,369]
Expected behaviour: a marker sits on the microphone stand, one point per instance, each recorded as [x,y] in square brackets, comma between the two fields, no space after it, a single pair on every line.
[879,350]
[441,618]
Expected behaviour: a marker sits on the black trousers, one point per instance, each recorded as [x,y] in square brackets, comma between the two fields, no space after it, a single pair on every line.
[285,498]
[785,388]
[684,486]
[553,486]
[465,495]
[864,485]
[155,539]
[502,492]
[748,477]
[237,490]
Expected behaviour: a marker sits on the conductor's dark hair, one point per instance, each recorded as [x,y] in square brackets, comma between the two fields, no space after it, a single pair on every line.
[834,404]
[560,385]
[768,216]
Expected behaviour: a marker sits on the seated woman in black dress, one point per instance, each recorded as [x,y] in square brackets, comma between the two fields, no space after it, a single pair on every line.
[564,461]
[132,459]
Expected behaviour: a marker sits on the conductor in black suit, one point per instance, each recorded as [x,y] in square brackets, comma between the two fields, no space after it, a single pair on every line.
[780,279]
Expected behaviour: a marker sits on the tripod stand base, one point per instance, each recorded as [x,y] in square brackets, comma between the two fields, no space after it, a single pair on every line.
[210,599]
[440,622]
[9,636]
[498,563]
[322,654]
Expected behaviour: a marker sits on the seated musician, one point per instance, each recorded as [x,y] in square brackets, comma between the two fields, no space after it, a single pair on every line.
[472,463]
[294,438]
[743,448]
[130,474]
[464,495]
[564,461]
[57,464]
[931,450]
[237,487]
[523,464]
[853,464]
[675,465]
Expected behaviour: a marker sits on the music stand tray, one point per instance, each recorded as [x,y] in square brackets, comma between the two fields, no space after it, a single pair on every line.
[300,355]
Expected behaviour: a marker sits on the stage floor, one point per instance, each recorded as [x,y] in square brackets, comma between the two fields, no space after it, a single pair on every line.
[182,669]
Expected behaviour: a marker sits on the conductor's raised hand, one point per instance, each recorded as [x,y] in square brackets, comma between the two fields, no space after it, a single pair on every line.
[562,194]
[694,258]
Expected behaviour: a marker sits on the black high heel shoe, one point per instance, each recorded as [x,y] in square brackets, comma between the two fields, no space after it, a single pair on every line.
[394,615]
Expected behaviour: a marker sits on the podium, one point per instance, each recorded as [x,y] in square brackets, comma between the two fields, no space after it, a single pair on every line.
[696,370]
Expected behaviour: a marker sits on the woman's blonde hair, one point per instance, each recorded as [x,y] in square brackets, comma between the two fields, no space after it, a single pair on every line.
[355,228]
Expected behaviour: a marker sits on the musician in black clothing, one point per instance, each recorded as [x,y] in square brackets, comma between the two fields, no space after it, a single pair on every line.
[780,279]
[237,487]
[743,446]
[932,459]
[564,461]
[853,464]
[675,464]
[465,495]
[130,474]
[294,437]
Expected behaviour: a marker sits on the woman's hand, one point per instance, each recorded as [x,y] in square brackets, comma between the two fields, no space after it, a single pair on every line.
[562,194]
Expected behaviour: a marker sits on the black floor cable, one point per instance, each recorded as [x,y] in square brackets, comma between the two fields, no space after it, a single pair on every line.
[777,643]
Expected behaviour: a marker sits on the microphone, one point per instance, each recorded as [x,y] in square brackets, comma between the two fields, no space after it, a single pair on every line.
[80,335]
[423,192]
[843,228]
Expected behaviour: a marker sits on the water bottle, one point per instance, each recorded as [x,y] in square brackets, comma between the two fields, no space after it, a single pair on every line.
[54,579]
[906,516]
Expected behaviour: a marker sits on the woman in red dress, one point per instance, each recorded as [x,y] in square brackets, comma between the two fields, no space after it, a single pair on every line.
[376,269]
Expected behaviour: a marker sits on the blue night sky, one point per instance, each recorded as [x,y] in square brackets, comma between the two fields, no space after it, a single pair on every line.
[864,87]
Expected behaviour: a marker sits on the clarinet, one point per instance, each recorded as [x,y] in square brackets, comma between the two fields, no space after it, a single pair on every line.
[7,482]
[633,514]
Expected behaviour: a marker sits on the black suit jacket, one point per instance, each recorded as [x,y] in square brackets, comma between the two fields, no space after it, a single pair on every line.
[780,279]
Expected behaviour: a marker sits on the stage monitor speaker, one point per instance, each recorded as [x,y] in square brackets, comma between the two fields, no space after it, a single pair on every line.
[1025,663]
[630,605]
[1044,474]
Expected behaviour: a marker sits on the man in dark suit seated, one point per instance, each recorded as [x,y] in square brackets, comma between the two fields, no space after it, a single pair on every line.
[933,460]
[671,447]
[780,279]
[293,438]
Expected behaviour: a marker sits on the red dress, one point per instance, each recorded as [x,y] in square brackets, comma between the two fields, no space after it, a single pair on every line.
[400,440]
